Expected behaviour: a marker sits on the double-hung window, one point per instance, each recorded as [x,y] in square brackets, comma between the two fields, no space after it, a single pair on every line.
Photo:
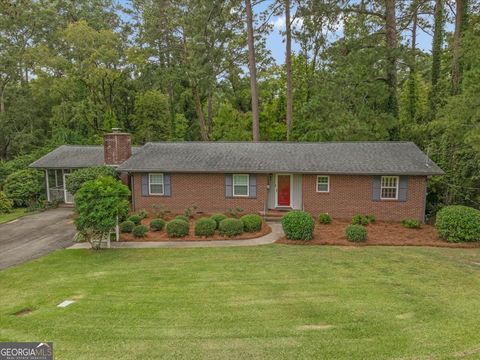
[323,183]
[155,184]
[389,188]
[240,185]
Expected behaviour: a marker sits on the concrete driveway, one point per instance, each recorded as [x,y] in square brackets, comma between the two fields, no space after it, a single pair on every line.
[35,235]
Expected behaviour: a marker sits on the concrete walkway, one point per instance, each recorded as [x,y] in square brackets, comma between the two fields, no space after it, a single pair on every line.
[276,234]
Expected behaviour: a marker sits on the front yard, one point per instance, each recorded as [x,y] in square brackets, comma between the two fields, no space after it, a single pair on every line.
[259,302]
[14,214]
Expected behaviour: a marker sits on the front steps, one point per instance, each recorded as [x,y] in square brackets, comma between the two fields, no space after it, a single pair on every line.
[275,215]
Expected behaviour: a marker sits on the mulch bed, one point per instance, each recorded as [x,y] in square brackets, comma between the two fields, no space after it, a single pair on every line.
[380,233]
[163,236]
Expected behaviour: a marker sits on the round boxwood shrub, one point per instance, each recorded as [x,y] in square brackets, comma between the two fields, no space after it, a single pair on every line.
[356,233]
[181,217]
[205,227]
[135,219]
[458,223]
[6,204]
[324,218]
[231,227]
[157,224]
[140,231]
[371,218]
[143,214]
[218,217]
[177,228]
[251,222]
[360,220]
[412,223]
[127,226]
[298,225]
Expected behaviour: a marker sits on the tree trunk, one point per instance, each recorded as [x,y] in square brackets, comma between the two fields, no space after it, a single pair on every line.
[391,40]
[209,113]
[200,115]
[412,85]
[253,72]
[459,17]
[437,44]
[288,64]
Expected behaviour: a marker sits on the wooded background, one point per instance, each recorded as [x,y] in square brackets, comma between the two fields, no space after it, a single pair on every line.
[174,70]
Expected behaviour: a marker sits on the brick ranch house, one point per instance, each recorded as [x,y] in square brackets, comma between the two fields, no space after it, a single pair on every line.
[386,179]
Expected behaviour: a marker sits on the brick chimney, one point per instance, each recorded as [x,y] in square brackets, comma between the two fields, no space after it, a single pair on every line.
[117,147]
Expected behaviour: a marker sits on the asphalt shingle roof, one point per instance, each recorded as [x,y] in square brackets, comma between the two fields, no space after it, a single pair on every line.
[73,156]
[362,158]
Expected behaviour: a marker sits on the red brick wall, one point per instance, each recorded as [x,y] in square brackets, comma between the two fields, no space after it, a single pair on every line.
[205,190]
[350,195]
[117,147]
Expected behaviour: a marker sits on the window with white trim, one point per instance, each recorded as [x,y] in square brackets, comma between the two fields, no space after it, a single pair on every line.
[389,187]
[240,184]
[323,183]
[155,184]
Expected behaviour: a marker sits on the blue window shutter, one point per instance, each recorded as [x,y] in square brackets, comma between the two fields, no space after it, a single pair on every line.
[402,188]
[376,188]
[252,186]
[145,185]
[228,185]
[167,183]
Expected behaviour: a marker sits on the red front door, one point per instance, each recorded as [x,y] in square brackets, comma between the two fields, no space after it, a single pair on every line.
[283,190]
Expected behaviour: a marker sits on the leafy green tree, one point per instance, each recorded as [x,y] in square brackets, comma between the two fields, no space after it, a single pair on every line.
[24,186]
[77,178]
[99,204]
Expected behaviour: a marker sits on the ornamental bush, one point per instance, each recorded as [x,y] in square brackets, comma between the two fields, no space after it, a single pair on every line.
[251,222]
[24,186]
[6,204]
[457,223]
[205,227]
[135,219]
[231,227]
[143,214]
[218,217]
[181,217]
[412,223]
[77,178]
[324,218]
[360,220]
[127,226]
[356,233]
[177,228]
[157,224]
[140,231]
[298,225]
[371,218]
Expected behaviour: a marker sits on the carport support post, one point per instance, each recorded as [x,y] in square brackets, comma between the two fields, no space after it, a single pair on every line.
[47,185]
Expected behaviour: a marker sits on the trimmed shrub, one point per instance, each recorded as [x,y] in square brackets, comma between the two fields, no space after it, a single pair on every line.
[157,224]
[181,217]
[457,223]
[324,218]
[24,186]
[298,225]
[356,233]
[251,222]
[135,219]
[177,228]
[411,223]
[205,227]
[6,204]
[371,218]
[143,214]
[231,227]
[127,226]
[140,231]
[218,217]
[360,220]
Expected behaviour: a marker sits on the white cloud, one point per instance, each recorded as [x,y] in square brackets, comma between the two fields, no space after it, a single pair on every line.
[279,23]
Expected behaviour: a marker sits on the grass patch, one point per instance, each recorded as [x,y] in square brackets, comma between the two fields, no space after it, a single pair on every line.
[15,214]
[271,302]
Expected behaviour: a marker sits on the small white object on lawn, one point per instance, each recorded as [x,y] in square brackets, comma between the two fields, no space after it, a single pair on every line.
[65,303]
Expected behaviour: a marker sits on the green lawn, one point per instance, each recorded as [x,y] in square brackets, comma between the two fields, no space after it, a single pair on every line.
[268,302]
[15,214]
